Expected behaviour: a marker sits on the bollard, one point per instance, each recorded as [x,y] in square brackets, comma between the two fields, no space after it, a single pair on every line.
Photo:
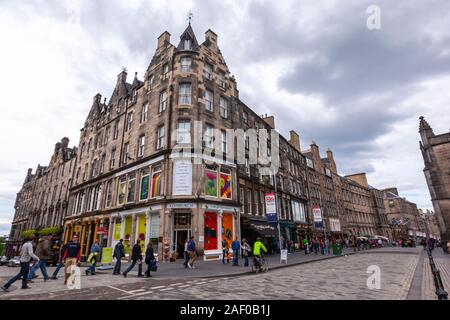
[440,291]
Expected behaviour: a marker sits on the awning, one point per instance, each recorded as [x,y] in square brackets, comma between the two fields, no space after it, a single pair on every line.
[263,228]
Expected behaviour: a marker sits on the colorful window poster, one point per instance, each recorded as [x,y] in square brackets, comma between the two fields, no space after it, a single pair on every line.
[117,230]
[156,184]
[227,228]
[210,183]
[144,187]
[225,186]
[141,230]
[210,231]
[127,238]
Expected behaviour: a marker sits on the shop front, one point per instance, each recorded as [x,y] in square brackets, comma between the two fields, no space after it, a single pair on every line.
[219,224]
[251,229]
[288,233]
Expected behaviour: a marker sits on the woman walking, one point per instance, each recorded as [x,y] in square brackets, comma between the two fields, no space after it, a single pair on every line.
[149,259]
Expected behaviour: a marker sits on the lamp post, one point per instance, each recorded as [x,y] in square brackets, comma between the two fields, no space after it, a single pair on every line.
[276,210]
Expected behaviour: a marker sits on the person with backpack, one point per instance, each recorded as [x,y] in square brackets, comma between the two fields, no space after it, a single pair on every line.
[43,252]
[150,260]
[245,251]
[136,257]
[192,253]
[119,253]
[93,257]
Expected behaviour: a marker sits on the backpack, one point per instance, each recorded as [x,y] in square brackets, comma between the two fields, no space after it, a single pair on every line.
[191,246]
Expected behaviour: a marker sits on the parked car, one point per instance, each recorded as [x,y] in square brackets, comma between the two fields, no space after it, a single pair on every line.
[14,262]
[3,260]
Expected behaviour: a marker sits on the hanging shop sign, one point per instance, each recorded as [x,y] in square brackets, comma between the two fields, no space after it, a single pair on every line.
[182,178]
[271,207]
[317,216]
[107,255]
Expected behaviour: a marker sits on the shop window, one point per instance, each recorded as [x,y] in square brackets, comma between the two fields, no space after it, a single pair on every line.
[131,188]
[156,182]
[227,228]
[225,184]
[127,237]
[210,231]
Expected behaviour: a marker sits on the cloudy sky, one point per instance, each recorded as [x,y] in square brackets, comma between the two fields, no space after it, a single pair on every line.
[313,64]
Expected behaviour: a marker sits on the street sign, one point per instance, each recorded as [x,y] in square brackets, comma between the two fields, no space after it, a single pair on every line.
[284,254]
[317,216]
[271,208]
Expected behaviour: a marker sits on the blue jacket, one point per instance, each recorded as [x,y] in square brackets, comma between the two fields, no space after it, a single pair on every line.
[235,245]
[95,248]
[191,245]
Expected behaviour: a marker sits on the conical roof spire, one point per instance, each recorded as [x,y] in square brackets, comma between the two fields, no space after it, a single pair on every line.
[188,41]
[424,124]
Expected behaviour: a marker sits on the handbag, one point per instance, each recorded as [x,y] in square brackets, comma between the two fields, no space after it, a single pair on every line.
[153,266]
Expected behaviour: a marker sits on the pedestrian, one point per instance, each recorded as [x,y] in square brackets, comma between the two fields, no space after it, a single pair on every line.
[60,263]
[322,247]
[71,256]
[136,257]
[186,253]
[149,259]
[236,246]
[192,253]
[119,253]
[93,257]
[43,252]
[305,245]
[225,251]
[245,251]
[26,254]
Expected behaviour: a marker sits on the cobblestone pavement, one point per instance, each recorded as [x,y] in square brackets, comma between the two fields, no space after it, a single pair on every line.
[344,277]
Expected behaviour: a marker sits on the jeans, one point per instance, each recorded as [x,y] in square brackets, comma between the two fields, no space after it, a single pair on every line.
[245,261]
[133,263]
[186,258]
[40,265]
[235,258]
[24,269]
[117,266]
[58,267]
[225,254]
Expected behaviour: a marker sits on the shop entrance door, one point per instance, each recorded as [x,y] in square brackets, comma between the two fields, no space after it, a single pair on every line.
[180,236]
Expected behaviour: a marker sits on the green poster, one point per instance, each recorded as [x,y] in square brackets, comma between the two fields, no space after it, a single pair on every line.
[211,183]
[117,231]
[106,255]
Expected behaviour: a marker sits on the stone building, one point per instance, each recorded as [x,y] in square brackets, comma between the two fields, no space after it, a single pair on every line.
[436,155]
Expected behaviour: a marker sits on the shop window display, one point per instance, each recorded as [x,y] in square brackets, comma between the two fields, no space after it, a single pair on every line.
[210,231]
[211,183]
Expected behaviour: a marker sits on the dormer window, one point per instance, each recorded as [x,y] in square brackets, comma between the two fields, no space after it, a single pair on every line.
[187,44]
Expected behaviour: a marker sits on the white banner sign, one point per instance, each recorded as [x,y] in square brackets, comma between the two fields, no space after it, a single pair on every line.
[317,214]
[270,203]
[182,178]
[335,224]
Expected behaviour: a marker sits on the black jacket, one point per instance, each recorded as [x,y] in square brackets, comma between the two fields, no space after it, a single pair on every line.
[119,251]
[136,254]
[149,255]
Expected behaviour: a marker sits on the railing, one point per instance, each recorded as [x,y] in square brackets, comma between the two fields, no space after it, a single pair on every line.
[440,291]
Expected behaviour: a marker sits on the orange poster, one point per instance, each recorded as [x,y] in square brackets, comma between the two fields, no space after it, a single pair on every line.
[227,228]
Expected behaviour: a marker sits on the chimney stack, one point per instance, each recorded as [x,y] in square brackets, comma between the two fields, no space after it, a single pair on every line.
[163,39]
[270,120]
[295,140]
[211,36]
[64,142]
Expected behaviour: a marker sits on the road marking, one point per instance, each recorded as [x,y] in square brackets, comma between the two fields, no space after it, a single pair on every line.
[135,295]
[176,284]
[118,289]
[136,291]
[185,286]
[166,289]
[159,287]
[203,282]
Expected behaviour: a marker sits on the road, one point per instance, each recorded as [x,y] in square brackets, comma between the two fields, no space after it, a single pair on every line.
[343,277]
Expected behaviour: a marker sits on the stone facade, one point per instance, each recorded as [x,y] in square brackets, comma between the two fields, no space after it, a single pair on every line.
[436,155]
[141,171]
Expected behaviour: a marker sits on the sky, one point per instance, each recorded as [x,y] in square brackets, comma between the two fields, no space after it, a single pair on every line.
[314,65]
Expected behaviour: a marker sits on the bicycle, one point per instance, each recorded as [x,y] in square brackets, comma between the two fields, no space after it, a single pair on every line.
[262,266]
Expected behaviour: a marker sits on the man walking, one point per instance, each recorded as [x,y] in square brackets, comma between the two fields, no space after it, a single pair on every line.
[60,263]
[26,254]
[119,253]
[186,253]
[95,252]
[136,257]
[43,252]
[245,251]
[71,256]
[235,246]
[191,251]
[225,250]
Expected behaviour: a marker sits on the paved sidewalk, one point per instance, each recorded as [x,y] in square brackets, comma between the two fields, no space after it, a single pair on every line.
[442,261]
